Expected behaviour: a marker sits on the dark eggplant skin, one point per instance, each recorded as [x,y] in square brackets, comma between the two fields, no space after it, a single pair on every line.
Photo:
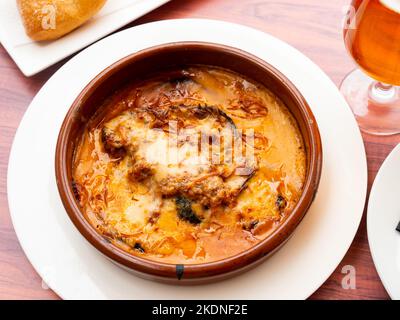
[201,112]
[250,226]
[185,211]
[280,203]
[75,189]
[398,227]
[138,247]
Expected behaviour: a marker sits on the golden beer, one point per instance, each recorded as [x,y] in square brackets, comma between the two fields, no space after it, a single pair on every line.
[373,38]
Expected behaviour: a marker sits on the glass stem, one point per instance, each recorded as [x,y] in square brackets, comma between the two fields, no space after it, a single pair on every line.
[382,92]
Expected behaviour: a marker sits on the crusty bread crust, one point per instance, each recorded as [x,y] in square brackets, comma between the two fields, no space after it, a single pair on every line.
[52,19]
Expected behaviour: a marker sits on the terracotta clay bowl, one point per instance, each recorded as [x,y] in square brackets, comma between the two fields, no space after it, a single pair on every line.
[151,61]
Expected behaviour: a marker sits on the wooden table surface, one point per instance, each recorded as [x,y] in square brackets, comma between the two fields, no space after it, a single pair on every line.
[312,26]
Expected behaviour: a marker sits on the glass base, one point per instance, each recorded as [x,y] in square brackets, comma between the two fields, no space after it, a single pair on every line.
[375,105]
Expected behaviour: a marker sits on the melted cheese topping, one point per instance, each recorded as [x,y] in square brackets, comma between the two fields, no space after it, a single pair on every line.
[191,166]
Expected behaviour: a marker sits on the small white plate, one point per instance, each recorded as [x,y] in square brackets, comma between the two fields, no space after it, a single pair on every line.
[32,57]
[74,269]
[382,220]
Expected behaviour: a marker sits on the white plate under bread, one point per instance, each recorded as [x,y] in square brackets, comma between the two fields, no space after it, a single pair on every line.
[32,57]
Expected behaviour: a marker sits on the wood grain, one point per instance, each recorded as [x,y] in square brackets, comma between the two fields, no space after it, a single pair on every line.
[312,26]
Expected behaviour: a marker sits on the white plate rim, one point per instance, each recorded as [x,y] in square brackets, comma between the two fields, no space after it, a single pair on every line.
[346,114]
[119,20]
[383,266]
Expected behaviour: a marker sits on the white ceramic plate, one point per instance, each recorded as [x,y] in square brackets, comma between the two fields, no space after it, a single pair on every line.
[383,217]
[74,269]
[32,57]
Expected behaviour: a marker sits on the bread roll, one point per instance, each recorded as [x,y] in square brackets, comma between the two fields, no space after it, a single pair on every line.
[51,19]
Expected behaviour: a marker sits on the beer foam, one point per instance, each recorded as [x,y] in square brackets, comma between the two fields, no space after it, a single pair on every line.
[392,4]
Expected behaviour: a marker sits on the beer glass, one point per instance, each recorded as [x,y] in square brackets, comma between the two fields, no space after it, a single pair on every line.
[372,37]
